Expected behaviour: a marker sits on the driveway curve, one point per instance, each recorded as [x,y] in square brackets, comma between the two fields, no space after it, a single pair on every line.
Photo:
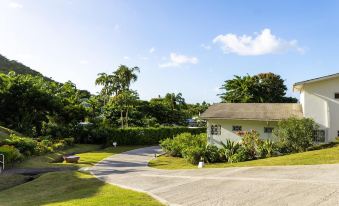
[278,185]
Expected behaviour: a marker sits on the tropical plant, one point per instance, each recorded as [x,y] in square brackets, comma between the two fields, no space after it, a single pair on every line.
[230,149]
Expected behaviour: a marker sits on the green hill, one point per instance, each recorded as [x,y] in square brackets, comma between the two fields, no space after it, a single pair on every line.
[5,132]
[7,65]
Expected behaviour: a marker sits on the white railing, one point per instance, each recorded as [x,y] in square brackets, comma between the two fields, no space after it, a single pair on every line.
[2,163]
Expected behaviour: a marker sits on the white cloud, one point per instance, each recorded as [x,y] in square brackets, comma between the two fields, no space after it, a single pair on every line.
[178,59]
[15,5]
[207,47]
[126,57]
[151,50]
[260,44]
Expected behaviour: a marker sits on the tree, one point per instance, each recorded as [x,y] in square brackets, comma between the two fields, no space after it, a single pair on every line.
[109,83]
[261,88]
[295,134]
[125,76]
[125,101]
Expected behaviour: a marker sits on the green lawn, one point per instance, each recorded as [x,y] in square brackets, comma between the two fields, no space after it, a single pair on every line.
[69,188]
[8,181]
[72,189]
[323,156]
[47,160]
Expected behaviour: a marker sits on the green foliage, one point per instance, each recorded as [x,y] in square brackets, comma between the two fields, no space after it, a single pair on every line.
[230,149]
[25,145]
[7,66]
[213,154]
[11,154]
[261,88]
[294,134]
[250,142]
[191,147]
[140,136]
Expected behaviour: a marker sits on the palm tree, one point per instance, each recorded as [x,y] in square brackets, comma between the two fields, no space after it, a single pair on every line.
[125,76]
[109,85]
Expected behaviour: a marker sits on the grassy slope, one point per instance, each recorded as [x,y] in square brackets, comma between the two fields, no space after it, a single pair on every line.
[44,161]
[72,189]
[323,156]
[5,132]
[8,181]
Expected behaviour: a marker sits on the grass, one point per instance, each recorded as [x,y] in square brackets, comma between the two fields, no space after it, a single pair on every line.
[8,181]
[88,159]
[45,161]
[323,156]
[69,188]
[72,189]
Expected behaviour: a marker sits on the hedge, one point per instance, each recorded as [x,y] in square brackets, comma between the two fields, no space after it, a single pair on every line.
[131,136]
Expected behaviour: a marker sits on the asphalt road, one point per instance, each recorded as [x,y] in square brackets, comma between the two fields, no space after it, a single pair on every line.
[279,185]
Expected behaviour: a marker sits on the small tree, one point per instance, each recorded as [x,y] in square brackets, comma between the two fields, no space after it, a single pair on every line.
[295,134]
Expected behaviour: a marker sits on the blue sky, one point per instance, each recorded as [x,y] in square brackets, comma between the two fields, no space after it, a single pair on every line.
[181,46]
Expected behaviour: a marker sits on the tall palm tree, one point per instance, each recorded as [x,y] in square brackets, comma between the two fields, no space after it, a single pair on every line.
[109,84]
[125,76]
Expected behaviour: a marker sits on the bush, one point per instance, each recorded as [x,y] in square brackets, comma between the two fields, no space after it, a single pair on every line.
[230,149]
[11,154]
[213,154]
[130,136]
[294,134]
[58,146]
[25,145]
[250,141]
[195,147]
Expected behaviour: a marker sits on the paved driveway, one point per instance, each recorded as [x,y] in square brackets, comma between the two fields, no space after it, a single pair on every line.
[290,185]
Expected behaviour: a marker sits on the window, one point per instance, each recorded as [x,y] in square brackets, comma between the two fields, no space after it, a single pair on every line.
[336,96]
[215,129]
[268,129]
[338,134]
[319,135]
[236,128]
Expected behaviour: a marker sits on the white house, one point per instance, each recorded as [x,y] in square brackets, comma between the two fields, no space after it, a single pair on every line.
[319,100]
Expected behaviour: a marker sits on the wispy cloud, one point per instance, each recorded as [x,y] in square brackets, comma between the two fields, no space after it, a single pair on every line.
[126,57]
[178,59]
[152,50]
[207,47]
[260,44]
[15,5]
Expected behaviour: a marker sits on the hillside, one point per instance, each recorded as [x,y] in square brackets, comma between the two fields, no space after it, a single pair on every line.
[7,65]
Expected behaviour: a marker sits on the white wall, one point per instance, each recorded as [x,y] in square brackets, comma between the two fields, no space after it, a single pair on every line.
[319,103]
[227,133]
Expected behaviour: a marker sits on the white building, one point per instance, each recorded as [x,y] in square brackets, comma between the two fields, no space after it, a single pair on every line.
[319,100]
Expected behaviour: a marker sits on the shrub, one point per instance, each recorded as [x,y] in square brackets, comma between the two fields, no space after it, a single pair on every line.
[250,141]
[11,154]
[133,136]
[230,149]
[58,146]
[294,134]
[25,145]
[194,147]
[191,147]
[212,154]
[69,141]
[266,148]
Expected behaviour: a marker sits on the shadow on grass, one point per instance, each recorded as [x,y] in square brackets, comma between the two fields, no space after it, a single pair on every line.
[71,189]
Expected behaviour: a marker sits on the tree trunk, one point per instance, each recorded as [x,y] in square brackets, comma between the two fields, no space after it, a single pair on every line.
[126,118]
[122,119]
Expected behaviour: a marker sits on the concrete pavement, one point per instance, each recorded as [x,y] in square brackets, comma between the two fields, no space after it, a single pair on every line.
[279,185]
